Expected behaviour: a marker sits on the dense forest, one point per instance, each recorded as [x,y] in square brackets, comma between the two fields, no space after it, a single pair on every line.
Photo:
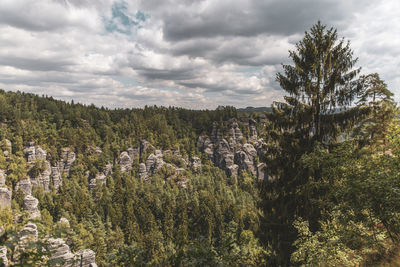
[315,181]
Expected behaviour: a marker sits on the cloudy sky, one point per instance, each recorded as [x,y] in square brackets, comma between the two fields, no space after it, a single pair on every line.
[188,53]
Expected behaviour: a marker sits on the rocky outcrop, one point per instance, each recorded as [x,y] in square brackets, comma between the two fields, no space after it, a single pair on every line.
[33,153]
[31,205]
[85,258]
[60,252]
[3,256]
[56,177]
[261,174]
[196,163]
[5,197]
[108,169]
[7,147]
[100,178]
[235,152]
[2,178]
[125,161]
[5,193]
[43,178]
[142,171]
[67,160]
[154,162]
[25,186]
[28,233]
[61,255]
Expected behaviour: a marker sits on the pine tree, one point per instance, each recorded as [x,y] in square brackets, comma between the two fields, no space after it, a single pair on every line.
[321,86]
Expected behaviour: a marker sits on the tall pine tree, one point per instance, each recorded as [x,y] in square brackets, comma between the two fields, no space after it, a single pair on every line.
[321,86]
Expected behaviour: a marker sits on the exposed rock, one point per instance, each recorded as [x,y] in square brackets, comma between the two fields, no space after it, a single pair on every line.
[60,251]
[28,233]
[216,134]
[233,170]
[245,158]
[56,177]
[64,221]
[108,169]
[234,132]
[31,205]
[85,258]
[100,178]
[3,256]
[205,145]
[142,171]
[43,179]
[7,145]
[223,155]
[2,178]
[33,153]
[5,197]
[196,163]
[154,162]
[144,145]
[253,130]
[25,185]
[125,161]
[261,172]
[67,160]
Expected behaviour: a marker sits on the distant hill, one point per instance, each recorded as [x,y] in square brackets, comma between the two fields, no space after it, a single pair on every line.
[253,109]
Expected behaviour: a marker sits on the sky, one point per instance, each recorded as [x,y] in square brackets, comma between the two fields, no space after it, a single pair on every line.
[195,54]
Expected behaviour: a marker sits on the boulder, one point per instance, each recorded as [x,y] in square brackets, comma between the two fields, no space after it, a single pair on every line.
[56,177]
[64,221]
[261,172]
[25,185]
[100,177]
[108,169]
[3,256]
[60,251]
[233,170]
[28,233]
[223,155]
[125,161]
[142,171]
[31,205]
[2,178]
[85,258]
[196,163]
[5,197]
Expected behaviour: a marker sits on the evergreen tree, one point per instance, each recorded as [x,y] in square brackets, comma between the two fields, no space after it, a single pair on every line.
[321,86]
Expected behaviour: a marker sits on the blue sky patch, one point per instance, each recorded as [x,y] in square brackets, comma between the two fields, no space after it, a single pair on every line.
[122,20]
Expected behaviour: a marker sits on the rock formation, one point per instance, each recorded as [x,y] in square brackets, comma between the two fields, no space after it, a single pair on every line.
[3,256]
[196,163]
[237,154]
[85,258]
[60,251]
[28,233]
[25,185]
[125,161]
[31,205]
[5,193]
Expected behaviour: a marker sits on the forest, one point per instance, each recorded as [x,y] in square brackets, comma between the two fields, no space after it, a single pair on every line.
[312,181]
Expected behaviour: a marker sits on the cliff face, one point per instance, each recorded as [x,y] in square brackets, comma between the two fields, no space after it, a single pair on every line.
[234,152]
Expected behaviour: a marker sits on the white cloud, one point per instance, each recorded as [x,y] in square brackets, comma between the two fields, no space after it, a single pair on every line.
[190,53]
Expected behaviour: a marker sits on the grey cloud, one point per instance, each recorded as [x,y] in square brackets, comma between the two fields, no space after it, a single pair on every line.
[37,64]
[251,18]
